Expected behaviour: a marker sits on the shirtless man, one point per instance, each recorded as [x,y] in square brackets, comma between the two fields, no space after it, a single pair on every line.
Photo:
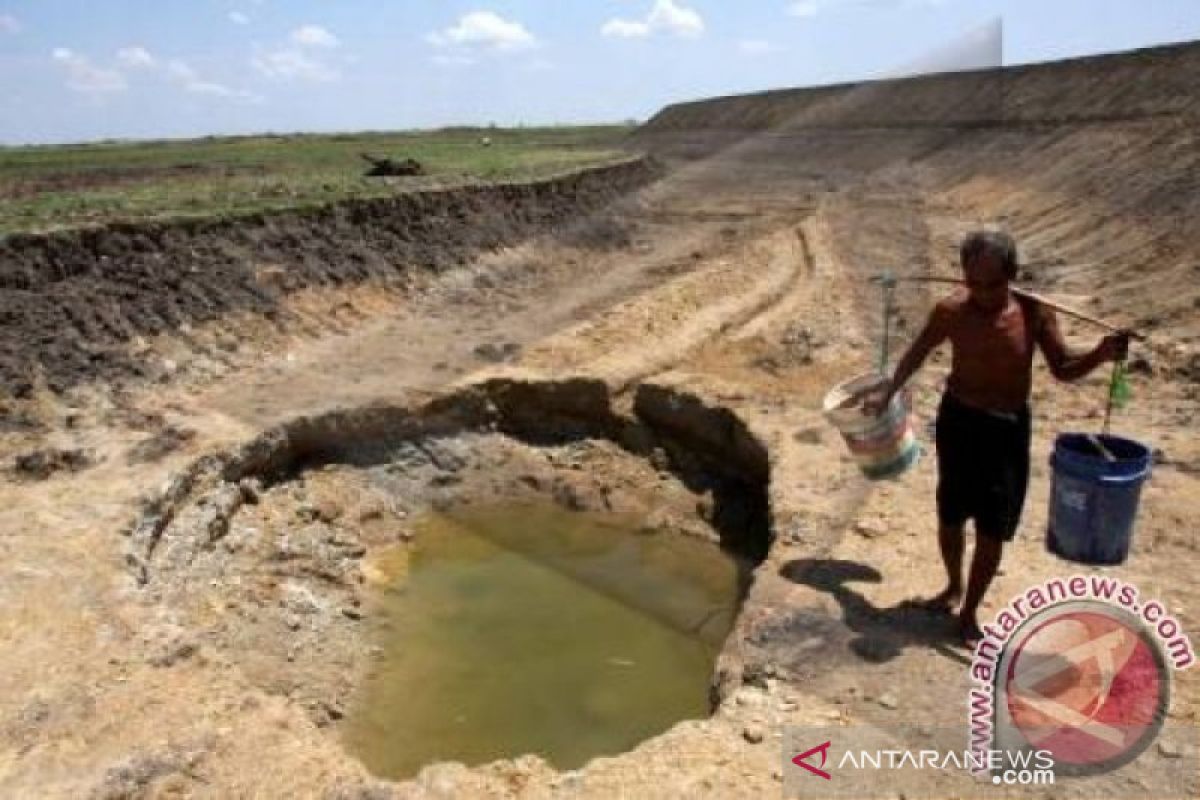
[983,430]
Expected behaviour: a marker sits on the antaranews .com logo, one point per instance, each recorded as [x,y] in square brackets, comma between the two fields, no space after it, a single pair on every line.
[1071,684]
[868,761]
[1079,667]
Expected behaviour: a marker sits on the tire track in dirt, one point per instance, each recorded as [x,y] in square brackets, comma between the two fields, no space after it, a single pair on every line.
[654,331]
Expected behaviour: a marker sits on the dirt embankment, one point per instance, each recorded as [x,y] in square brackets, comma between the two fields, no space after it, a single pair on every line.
[1153,82]
[1092,163]
[75,306]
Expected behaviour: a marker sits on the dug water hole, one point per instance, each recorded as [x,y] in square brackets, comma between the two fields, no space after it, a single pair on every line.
[507,630]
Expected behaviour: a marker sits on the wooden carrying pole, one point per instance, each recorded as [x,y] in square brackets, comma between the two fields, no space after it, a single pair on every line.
[1045,301]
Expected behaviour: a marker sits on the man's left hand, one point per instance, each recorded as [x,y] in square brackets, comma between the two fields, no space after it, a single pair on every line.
[1115,346]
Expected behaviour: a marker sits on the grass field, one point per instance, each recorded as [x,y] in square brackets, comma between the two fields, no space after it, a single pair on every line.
[71,186]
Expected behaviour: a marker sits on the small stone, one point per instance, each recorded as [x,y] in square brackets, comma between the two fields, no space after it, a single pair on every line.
[497,353]
[810,435]
[299,599]
[888,701]
[870,528]
[753,733]
[1168,749]
[169,645]
[796,533]
[352,613]
[750,698]
[371,510]
[251,490]
[327,509]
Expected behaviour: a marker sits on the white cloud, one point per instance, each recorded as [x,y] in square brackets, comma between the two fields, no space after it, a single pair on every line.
[314,36]
[805,8]
[484,29]
[180,71]
[625,29]
[136,57]
[85,77]
[676,19]
[9,24]
[183,75]
[293,64]
[238,18]
[218,90]
[96,81]
[756,47]
[666,16]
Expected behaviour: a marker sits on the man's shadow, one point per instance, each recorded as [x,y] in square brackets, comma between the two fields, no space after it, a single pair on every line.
[881,633]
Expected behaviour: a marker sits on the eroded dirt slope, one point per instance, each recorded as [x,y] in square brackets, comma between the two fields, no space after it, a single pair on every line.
[79,306]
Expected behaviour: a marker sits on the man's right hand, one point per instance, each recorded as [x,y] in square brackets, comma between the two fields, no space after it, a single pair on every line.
[876,400]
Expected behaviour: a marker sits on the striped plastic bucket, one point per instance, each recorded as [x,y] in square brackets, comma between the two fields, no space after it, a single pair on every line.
[884,446]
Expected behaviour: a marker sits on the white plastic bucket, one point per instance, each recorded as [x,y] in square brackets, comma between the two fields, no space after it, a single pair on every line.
[884,446]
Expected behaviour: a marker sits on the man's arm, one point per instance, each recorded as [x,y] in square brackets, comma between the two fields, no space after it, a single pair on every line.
[1066,365]
[936,331]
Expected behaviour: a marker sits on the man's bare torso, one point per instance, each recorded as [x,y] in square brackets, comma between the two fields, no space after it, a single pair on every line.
[992,352]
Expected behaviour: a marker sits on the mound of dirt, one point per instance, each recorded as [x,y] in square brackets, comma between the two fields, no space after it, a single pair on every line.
[1153,82]
[73,302]
[41,464]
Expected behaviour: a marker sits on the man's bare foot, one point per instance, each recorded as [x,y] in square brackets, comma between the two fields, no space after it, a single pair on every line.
[942,602]
[969,631]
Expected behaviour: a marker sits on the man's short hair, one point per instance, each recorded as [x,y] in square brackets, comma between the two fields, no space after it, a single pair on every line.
[995,242]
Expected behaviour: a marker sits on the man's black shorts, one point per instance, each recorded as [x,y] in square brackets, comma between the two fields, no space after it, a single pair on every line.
[983,467]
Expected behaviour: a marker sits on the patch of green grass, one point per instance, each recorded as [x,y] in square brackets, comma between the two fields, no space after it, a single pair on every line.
[70,186]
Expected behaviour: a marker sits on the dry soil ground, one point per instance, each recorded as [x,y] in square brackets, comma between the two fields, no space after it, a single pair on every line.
[740,283]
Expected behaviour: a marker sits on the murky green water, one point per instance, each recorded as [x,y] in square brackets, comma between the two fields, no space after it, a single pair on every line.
[529,629]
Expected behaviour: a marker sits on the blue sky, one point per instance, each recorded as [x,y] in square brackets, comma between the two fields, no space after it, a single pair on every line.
[73,70]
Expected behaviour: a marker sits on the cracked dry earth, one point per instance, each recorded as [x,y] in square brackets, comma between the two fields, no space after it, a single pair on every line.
[182,607]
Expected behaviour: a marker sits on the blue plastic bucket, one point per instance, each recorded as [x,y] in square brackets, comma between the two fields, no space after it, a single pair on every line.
[1094,501]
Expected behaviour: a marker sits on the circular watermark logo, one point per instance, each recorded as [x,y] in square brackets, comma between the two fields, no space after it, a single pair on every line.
[1084,680]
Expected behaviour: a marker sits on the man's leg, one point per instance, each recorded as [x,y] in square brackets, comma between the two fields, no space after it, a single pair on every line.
[984,563]
[950,542]
[997,519]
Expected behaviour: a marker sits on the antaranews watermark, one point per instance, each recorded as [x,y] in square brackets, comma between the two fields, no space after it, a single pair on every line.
[1079,667]
[863,760]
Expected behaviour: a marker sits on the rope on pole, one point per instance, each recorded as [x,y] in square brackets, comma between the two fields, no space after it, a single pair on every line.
[888,284]
[1118,391]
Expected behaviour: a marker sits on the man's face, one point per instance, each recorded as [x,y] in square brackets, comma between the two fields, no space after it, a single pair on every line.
[986,282]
